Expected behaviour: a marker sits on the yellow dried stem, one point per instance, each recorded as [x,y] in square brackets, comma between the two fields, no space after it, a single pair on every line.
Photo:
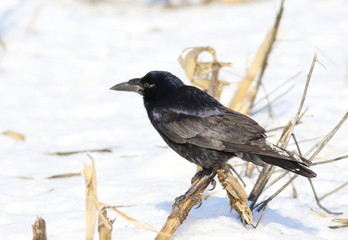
[130,219]
[104,225]
[92,203]
[245,93]
[318,213]
[242,95]
[236,194]
[39,229]
[198,72]
[15,135]
[64,175]
[179,213]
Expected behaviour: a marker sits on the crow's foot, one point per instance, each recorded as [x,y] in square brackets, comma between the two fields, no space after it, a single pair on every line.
[198,180]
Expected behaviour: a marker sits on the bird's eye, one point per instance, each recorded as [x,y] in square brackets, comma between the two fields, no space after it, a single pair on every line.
[147,85]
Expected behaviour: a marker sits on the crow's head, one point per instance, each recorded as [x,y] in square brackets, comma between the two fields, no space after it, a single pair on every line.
[154,85]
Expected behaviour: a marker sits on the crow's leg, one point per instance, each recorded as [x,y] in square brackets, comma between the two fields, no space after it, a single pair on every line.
[198,181]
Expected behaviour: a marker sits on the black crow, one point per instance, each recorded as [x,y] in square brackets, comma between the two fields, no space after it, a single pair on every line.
[202,130]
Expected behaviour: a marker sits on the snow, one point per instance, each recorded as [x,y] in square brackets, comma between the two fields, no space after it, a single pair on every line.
[58,60]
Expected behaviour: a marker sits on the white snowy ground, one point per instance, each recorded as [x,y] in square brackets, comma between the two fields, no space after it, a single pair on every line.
[58,62]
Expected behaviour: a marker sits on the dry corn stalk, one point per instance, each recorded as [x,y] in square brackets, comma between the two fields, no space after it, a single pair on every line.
[92,203]
[199,72]
[39,229]
[180,212]
[104,225]
[236,194]
[246,91]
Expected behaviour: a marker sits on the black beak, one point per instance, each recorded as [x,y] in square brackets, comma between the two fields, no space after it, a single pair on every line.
[133,85]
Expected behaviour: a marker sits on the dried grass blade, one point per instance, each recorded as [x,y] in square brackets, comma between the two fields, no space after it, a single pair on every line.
[64,175]
[15,135]
[320,145]
[318,213]
[132,220]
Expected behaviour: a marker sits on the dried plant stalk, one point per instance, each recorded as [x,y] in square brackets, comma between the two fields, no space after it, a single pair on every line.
[245,94]
[15,135]
[236,194]
[104,225]
[283,142]
[180,212]
[39,229]
[92,203]
[318,201]
[333,191]
[344,222]
[260,184]
[80,151]
[319,147]
[249,169]
[64,175]
[130,219]
[198,72]
[272,35]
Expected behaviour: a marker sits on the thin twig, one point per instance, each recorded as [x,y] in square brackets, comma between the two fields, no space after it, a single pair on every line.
[80,151]
[264,203]
[318,201]
[237,174]
[333,191]
[269,102]
[275,180]
[296,143]
[132,220]
[331,160]
[64,175]
[260,217]
[268,95]
[294,191]
[297,116]
[331,154]
[307,140]
[320,145]
[260,184]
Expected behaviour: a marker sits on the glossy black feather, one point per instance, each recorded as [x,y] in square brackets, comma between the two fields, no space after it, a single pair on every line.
[203,131]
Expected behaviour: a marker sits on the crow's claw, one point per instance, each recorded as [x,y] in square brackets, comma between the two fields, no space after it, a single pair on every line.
[183,198]
[213,184]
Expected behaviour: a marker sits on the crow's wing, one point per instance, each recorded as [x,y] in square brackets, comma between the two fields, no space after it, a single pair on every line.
[192,116]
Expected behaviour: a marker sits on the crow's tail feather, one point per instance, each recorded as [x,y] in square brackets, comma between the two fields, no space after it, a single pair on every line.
[293,166]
